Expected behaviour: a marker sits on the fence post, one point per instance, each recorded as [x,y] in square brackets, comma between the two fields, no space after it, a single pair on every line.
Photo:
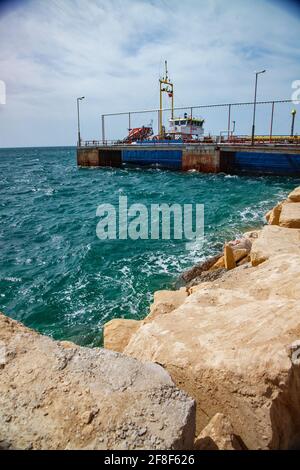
[229,118]
[272,118]
[103,129]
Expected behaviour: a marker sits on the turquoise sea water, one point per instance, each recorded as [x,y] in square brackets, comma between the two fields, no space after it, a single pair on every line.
[55,274]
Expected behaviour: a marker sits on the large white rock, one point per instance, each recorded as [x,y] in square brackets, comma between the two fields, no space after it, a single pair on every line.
[290,215]
[295,195]
[274,240]
[59,396]
[229,346]
[218,435]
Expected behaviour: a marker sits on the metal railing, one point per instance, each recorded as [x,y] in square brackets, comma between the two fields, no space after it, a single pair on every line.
[191,110]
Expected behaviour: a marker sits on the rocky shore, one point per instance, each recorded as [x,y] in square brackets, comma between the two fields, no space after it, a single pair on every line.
[231,337]
[215,365]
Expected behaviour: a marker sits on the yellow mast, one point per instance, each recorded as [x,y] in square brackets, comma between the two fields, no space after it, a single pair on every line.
[168,88]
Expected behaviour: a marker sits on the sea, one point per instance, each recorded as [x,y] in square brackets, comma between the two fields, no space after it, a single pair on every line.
[59,278]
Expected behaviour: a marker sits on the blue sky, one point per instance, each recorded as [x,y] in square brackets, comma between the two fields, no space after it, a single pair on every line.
[112,52]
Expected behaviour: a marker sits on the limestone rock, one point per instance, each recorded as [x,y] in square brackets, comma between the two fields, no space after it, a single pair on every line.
[211,275]
[275,240]
[273,215]
[218,435]
[197,270]
[118,332]
[229,258]
[220,264]
[228,346]
[252,235]
[295,195]
[165,301]
[290,215]
[57,398]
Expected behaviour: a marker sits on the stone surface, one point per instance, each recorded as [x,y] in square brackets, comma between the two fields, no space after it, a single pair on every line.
[53,397]
[290,215]
[274,240]
[218,435]
[295,195]
[229,258]
[273,215]
[252,235]
[118,332]
[229,346]
[165,301]
[197,270]
[211,275]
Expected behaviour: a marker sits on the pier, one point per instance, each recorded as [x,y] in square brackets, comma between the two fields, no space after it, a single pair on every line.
[231,158]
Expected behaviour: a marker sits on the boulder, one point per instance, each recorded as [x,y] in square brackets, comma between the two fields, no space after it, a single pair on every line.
[295,195]
[274,240]
[52,397]
[229,258]
[252,235]
[165,301]
[211,275]
[197,270]
[218,435]
[290,215]
[118,332]
[230,346]
[273,215]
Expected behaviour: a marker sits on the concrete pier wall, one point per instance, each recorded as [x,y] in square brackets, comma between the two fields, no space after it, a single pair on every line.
[259,161]
[88,157]
[205,158]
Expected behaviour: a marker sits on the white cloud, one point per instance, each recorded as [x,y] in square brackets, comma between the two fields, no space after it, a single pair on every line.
[111,51]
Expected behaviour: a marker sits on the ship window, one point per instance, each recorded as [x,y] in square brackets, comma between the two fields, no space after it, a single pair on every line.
[183,123]
[176,123]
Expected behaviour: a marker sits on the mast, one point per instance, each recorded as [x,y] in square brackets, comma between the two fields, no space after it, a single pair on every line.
[165,86]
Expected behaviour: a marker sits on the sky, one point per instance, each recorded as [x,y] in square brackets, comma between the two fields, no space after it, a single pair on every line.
[113,51]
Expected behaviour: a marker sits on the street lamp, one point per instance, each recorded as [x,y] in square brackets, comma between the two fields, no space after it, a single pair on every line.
[294,112]
[78,120]
[254,109]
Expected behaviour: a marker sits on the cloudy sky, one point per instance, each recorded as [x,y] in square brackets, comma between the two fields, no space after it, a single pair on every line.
[113,51]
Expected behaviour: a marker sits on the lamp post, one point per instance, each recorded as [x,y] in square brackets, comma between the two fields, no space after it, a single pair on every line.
[254,108]
[294,112]
[78,120]
[233,128]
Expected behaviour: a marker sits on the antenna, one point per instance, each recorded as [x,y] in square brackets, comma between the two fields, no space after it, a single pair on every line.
[166,65]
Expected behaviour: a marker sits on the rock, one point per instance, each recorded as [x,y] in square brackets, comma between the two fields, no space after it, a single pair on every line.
[227,346]
[244,243]
[229,258]
[165,301]
[118,332]
[274,214]
[274,240]
[290,215]
[220,264]
[295,195]
[245,260]
[240,254]
[189,275]
[218,435]
[252,235]
[57,398]
[207,276]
